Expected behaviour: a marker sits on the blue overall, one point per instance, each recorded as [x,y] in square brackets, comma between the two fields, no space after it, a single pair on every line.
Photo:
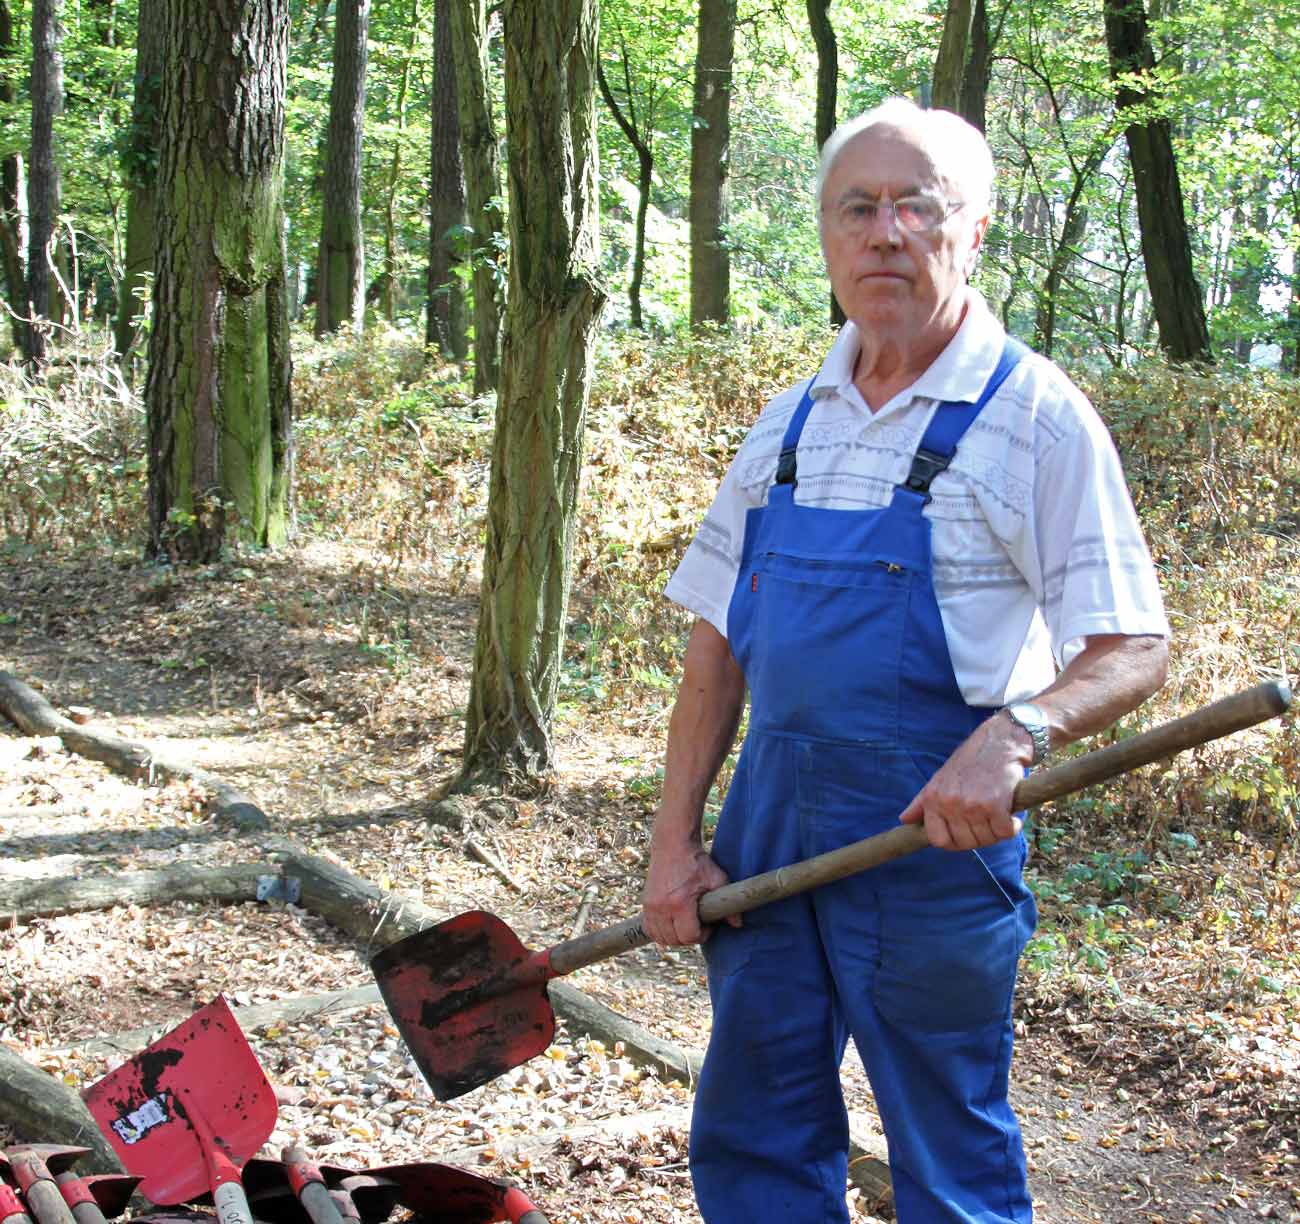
[854,705]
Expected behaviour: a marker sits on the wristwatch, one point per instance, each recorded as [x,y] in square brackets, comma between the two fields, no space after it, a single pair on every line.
[1030,717]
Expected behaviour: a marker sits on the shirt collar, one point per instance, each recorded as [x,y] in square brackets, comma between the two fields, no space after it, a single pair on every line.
[958,374]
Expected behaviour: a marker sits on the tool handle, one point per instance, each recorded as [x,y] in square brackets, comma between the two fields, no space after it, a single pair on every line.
[11,1207]
[228,1195]
[1220,718]
[519,1208]
[37,1183]
[309,1186]
[81,1202]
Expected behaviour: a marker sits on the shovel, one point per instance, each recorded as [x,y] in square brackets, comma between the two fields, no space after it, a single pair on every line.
[444,1194]
[186,1112]
[470,1000]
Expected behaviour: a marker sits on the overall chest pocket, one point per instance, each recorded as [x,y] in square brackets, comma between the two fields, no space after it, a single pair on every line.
[823,639]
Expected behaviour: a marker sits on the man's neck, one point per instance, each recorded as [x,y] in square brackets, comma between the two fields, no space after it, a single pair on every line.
[888,364]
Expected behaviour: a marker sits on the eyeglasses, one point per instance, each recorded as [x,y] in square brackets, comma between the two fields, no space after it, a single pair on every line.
[918,214]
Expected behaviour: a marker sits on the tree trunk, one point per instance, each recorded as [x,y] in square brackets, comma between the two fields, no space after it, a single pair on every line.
[1250,263]
[828,72]
[478,148]
[961,68]
[340,281]
[1166,249]
[1291,328]
[11,220]
[554,305]
[389,280]
[43,172]
[644,181]
[140,166]
[446,308]
[217,394]
[711,163]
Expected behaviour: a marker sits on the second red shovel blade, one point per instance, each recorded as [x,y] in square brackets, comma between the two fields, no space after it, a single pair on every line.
[204,1064]
[460,996]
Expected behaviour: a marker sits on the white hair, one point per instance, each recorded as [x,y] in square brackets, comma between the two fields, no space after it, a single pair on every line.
[958,148]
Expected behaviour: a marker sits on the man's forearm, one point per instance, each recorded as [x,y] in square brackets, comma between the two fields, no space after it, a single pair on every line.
[700,733]
[1112,675]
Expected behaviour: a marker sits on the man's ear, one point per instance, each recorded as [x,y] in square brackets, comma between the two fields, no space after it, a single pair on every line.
[977,241]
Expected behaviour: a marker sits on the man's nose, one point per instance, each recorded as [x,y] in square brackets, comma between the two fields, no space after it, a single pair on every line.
[883,229]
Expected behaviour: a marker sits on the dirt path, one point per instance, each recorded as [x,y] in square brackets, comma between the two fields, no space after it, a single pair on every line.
[261,673]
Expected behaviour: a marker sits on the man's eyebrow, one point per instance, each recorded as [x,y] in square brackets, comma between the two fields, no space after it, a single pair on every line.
[873,197]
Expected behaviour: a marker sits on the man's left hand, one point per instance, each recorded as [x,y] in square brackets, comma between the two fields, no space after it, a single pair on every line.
[967,804]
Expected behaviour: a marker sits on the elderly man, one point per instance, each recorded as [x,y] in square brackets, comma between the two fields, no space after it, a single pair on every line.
[903,552]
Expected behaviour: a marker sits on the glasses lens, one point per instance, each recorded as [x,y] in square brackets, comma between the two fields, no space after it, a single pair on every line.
[919,213]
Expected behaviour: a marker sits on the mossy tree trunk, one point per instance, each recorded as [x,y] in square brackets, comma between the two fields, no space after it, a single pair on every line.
[478,151]
[551,317]
[217,393]
[43,172]
[711,162]
[340,276]
[140,164]
[445,327]
[961,68]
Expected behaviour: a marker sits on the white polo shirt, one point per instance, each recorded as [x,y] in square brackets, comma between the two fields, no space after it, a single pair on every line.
[1036,544]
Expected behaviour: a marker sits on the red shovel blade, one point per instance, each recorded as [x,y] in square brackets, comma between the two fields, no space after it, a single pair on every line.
[444,1194]
[469,999]
[195,1089]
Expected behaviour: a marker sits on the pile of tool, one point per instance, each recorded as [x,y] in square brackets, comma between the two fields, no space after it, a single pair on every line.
[186,1117]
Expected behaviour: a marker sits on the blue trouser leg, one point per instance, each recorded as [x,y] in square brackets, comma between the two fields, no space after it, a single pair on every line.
[917,960]
[769,1137]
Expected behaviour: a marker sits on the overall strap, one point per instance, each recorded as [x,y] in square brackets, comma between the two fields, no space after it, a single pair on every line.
[951,420]
[785,465]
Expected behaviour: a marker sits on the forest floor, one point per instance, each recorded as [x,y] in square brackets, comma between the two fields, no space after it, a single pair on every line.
[1141,1099]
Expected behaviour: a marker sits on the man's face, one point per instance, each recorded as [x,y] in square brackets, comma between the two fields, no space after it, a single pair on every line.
[888,279]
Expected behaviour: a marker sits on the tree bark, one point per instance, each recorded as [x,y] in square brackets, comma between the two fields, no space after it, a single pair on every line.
[711,162]
[217,394]
[43,172]
[828,72]
[478,148]
[445,329]
[1166,248]
[340,279]
[961,68]
[141,172]
[554,306]
[41,1108]
[23,900]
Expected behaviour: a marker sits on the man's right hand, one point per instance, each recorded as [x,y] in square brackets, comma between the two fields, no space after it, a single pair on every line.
[678,877]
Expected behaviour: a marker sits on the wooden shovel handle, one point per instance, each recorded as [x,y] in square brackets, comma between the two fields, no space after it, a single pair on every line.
[1210,722]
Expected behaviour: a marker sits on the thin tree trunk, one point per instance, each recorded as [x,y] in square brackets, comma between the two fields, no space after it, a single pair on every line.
[828,73]
[217,394]
[711,162]
[340,281]
[141,168]
[446,307]
[554,305]
[644,180]
[11,219]
[478,149]
[1166,248]
[390,277]
[43,172]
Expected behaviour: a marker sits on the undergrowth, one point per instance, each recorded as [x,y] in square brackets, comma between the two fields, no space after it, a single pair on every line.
[393,453]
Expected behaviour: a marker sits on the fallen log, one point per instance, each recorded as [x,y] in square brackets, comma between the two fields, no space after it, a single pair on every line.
[23,900]
[39,1108]
[33,714]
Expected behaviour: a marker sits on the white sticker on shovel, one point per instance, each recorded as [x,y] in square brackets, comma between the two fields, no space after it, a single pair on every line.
[133,1127]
